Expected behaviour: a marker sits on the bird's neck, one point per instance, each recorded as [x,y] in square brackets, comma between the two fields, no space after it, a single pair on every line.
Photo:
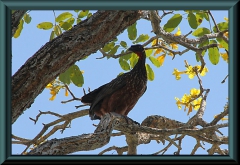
[140,65]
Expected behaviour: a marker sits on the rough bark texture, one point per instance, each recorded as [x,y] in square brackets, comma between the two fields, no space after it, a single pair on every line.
[135,135]
[58,55]
[16,17]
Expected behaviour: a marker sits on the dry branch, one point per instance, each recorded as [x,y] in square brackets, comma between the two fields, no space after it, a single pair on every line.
[102,135]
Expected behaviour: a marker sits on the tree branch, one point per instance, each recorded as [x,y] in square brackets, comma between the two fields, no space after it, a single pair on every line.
[58,55]
[16,17]
[102,135]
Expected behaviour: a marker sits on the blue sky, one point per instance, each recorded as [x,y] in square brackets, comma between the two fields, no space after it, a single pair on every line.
[158,99]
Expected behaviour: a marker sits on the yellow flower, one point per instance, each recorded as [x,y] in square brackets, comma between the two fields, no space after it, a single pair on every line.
[224,118]
[53,97]
[194,92]
[226,19]
[186,98]
[158,51]
[197,103]
[66,92]
[205,69]
[178,33]
[174,46]
[190,109]
[53,92]
[49,85]
[190,72]
[224,56]
[161,59]
[177,73]
[154,42]
[178,103]
[226,34]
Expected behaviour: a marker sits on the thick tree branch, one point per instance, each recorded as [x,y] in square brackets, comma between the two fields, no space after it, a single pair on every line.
[16,17]
[102,135]
[58,55]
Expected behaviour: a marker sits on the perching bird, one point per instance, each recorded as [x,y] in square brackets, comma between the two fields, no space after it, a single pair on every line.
[122,93]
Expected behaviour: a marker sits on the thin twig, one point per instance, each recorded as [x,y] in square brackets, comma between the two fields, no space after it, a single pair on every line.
[209,12]
[223,81]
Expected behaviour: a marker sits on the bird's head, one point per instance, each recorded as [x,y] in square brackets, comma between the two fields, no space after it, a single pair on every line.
[138,49]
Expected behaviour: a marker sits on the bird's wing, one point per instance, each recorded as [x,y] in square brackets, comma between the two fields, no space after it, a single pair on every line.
[109,88]
[89,98]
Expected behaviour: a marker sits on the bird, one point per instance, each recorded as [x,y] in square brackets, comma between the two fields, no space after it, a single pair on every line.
[122,93]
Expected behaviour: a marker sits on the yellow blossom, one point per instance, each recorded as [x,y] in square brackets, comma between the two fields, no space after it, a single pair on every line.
[186,98]
[190,109]
[49,85]
[197,103]
[177,73]
[178,103]
[161,59]
[226,19]
[205,69]
[158,51]
[178,33]
[194,92]
[224,56]
[174,46]
[154,42]
[190,72]
[53,97]
[66,92]
[226,34]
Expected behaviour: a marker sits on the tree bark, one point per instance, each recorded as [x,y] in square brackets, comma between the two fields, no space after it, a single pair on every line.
[58,55]
[16,17]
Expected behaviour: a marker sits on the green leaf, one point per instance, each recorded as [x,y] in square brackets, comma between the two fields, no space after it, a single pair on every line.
[19,29]
[27,18]
[78,20]
[76,76]
[114,50]
[222,26]
[89,15]
[57,30]
[141,38]
[127,57]
[65,77]
[132,31]
[213,53]
[83,13]
[149,52]
[124,64]
[65,25]
[52,35]
[71,21]
[76,11]
[154,61]
[223,43]
[199,17]
[63,16]
[172,23]
[150,73]
[108,47]
[192,20]
[45,25]
[204,43]
[206,16]
[201,31]
[133,60]
[123,44]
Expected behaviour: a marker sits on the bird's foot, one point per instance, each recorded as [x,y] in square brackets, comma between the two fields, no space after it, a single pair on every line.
[127,120]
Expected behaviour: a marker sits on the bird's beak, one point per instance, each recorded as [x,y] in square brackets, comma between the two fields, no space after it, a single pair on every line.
[130,49]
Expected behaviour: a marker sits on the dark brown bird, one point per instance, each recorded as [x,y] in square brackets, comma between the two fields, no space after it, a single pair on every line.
[122,93]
